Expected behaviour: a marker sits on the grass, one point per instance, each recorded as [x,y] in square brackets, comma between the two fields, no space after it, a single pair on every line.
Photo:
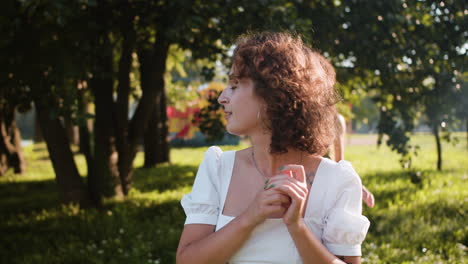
[411,223]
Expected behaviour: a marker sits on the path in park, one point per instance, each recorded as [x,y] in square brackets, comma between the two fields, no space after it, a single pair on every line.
[361,139]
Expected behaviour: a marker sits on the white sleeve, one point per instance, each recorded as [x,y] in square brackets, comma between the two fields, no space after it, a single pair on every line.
[202,205]
[345,226]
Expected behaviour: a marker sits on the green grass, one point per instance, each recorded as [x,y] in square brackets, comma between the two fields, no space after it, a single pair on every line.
[411,223]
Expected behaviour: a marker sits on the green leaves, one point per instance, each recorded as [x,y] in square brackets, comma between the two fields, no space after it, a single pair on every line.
[406,43]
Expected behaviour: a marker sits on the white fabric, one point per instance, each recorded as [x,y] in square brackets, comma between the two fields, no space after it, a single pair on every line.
[333,211]
[202,205]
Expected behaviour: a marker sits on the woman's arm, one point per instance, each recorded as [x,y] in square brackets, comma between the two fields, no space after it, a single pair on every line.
[312,250]
[350,259]
[200,244]
[339,141]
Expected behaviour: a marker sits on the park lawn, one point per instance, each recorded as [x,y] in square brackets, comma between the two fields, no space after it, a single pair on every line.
[421,222]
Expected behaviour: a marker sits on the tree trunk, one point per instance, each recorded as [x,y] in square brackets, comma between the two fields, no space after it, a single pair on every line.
[68,179]
[37,129]
[85,141]
[104,179]
[156,146]
[11,155]
[72,132]
[150,142]
[86,125]
[435,132]
[18,162]
[163,144]
[123,91]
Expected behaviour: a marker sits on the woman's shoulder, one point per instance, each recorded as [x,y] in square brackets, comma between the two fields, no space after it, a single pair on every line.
[211,161]
[215,157]
[217,151]
[214,151]
[340,173]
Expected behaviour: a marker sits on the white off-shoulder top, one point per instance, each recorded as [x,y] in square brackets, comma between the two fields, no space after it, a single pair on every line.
[333,212]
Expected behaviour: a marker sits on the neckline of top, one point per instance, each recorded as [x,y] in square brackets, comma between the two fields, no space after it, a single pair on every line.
[231,165]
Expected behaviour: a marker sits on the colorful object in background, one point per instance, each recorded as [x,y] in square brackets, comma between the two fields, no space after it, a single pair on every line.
[184,124]
[202,123]
[180,122]
[211,119]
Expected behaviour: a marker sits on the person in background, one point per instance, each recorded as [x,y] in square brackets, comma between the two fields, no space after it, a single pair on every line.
[337,151]
[338,154]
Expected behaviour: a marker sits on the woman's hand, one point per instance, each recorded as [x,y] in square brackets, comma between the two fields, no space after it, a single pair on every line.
[267,202]
[291,182]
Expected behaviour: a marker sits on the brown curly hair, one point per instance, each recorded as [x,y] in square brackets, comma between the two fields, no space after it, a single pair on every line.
[297,85]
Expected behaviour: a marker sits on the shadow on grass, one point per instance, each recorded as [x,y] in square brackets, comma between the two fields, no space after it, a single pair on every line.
[405,211]
[23,197]
[164,177]
[407,232]
[419,225]
[386,177]
[402,184]
[40,147]
[41,152]
[404,188]
[123,232]
[148,232]
[36,228]
[34,225]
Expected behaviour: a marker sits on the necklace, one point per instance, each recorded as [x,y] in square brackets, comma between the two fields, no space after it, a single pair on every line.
[311,175]
[255,164]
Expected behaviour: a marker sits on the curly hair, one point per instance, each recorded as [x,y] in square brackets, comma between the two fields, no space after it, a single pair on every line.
[297,85]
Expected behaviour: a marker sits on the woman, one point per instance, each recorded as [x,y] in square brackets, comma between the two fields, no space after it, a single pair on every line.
[278,201]
[338,154]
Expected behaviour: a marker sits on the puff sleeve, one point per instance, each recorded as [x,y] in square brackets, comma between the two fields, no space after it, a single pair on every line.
[201,206]
[345,227]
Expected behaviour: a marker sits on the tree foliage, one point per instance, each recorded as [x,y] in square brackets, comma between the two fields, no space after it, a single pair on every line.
[65,55]
[210,118]
[407,55]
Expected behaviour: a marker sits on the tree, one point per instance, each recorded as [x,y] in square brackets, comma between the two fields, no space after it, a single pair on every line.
[396,47]
[64,56]
[11,155]
[210,118]
[83,51]
[427,36]
[39,62]
[207,30]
